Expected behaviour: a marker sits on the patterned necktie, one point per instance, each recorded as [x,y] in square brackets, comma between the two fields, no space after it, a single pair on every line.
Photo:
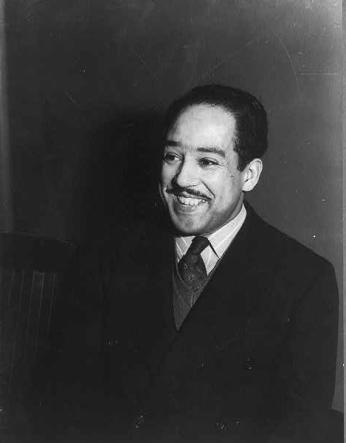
[191,266]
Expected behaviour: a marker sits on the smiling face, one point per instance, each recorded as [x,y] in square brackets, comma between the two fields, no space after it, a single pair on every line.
[201,185]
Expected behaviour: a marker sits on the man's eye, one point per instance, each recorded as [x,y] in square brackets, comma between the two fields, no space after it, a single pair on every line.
[205,162]
[170,157]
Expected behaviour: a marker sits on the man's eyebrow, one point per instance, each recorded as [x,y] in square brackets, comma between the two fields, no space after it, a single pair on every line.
[208,149]
[213,150]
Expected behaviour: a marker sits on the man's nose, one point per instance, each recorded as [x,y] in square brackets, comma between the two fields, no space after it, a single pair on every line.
[186,174]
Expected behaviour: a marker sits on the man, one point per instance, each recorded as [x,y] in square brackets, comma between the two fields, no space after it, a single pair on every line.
[218,326]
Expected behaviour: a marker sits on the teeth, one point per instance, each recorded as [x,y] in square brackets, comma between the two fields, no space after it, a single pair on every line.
[190,201]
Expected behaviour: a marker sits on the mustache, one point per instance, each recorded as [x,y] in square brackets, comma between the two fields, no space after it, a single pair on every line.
[187,192]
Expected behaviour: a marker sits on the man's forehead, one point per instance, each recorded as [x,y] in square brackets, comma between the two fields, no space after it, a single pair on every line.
[203,126]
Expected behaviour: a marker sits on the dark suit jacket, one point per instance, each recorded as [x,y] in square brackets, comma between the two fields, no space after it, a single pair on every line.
[254,359]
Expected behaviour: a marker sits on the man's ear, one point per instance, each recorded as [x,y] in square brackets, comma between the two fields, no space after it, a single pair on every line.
[251,174]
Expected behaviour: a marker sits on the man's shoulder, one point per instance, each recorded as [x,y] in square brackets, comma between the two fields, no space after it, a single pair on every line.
[151,238]
[282,249]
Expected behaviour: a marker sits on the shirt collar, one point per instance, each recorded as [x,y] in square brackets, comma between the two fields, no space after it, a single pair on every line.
[219,240]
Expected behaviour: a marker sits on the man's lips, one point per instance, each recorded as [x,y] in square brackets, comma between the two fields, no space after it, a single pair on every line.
[187,201]
[190,201]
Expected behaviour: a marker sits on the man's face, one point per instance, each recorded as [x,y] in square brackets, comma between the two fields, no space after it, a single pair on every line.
[201,185]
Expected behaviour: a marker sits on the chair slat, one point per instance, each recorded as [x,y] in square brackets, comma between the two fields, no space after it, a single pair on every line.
[30,268]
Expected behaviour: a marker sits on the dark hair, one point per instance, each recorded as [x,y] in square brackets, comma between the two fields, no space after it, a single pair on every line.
[249,113]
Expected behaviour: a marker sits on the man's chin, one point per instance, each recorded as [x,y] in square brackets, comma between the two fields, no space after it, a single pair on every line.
[187,227]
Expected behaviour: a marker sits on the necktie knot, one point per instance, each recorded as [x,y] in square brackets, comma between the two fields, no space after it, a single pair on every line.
[198,244]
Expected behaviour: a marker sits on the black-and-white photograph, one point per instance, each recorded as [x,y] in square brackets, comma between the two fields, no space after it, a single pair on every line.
[171,221]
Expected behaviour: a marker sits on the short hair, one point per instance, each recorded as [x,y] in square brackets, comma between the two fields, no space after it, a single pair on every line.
[251,138]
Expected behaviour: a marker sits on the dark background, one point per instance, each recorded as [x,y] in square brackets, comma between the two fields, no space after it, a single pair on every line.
[88,80]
